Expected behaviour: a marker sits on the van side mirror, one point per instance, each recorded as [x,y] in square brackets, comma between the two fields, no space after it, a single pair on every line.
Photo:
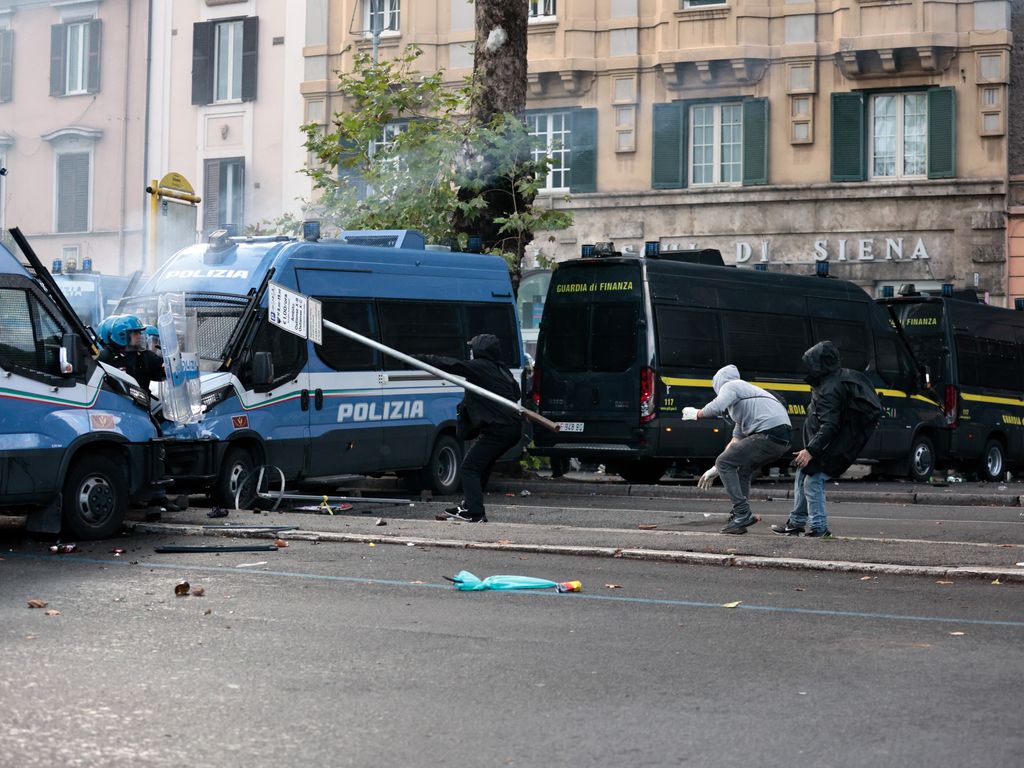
[72,358]
[262,369]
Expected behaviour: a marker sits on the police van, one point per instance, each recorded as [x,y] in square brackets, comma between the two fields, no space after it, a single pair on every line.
[626,342]
[270,397]
[974,354]
[92,295]
[77,443]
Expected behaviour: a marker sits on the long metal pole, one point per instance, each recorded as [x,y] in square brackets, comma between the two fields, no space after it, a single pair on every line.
[457,381]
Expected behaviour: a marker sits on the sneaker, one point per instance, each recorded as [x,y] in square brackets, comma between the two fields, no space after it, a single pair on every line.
[788,529]
[825,534]
[739,525]
[461,514]
[458,509]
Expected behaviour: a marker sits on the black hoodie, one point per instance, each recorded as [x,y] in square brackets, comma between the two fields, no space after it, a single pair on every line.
[485,370]
[825,413]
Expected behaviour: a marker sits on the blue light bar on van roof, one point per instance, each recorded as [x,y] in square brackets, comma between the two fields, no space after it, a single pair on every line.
[57,266]
[387,238]
[947,289]
[311,230]
[1018,304]
[474,244]
[587,250]
[888,291]
[652,248]
[87,264]
[821,268]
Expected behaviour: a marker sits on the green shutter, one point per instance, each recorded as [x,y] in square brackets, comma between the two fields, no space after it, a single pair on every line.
[58,44]
[6,65]
[250,56]
[669,154]
[202,63]
[848,162]
[755,142]
[941,133]
[583,151]
[93,69]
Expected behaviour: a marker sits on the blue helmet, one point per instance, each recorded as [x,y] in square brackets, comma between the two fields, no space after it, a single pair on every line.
[122,327]
[104,328]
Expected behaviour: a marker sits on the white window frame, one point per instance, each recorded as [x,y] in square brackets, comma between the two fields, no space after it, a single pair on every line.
[542,10]
[89,189]
[717,154]
[697,4]
[900,168]
[391,11]
[76,64]
[555,143]
[232,79]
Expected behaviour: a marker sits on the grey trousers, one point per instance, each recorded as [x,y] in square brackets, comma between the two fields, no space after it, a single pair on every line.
[738,463]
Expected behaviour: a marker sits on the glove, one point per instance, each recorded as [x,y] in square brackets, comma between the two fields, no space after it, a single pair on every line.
[690,413]
[707,479]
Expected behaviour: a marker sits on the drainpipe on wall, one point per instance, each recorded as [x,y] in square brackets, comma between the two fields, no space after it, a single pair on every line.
[124,144]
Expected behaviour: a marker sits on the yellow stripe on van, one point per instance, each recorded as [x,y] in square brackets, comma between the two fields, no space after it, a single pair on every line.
[990,399]
[672,381]
[685,382]
[924,399]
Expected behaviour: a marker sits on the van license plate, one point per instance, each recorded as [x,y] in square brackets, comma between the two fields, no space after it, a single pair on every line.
[570,426]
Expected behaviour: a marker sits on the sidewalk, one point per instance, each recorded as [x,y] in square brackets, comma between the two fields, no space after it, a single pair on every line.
[759,548]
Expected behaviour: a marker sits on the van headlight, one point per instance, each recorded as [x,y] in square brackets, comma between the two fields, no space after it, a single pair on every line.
[138,397]
[211,399]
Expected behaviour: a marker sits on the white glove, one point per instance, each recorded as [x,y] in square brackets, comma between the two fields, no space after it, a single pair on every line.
[690,413]
[707,479]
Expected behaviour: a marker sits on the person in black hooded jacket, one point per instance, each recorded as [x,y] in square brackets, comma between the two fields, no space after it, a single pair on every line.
[823,454]
[499,428]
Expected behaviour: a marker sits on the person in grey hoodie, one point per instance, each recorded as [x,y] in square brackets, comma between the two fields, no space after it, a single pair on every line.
[761,435]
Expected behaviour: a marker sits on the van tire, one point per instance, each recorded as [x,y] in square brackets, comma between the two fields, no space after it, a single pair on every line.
[443,474]
[641,471]
[992,466]
[234,467]
[94,499]
[921,459]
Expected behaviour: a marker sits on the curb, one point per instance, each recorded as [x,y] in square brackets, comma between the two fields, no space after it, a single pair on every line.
[1015,575]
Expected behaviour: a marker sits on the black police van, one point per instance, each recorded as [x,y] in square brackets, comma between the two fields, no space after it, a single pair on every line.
[627,341]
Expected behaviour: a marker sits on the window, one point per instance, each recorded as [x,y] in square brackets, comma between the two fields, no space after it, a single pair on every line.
[542,10]
[800,120]
[907,135]
[73,185]
[224,59]
[851,339]
[706,144]
[75,58]
[899,135]
[383,15]
[716,142]
[688,338]
[340,352]
[419,327]
[287,350]
[224,195]
[6,65]
[701,3]
[496,318]
[759,343]
[29,336]
[569,139]
[991,123]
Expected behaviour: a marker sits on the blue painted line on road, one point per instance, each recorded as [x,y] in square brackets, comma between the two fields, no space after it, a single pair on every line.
[530,592]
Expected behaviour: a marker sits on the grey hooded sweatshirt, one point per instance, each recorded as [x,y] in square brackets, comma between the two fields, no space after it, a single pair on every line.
[751,408]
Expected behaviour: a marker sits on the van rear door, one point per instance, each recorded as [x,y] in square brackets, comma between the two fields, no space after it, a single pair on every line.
[592,350]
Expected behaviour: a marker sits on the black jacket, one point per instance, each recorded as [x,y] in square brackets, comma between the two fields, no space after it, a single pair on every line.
[485,370]
[823,426]
[144,366]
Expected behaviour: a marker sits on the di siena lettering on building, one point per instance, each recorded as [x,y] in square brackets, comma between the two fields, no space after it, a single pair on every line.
[845,249]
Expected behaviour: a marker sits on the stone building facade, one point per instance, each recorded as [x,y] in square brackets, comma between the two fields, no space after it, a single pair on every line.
[869,133]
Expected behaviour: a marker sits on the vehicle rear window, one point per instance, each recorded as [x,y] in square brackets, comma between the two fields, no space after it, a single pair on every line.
[688,338]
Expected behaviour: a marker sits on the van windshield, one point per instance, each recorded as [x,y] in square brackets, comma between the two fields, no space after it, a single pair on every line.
[592,317]
[923,326]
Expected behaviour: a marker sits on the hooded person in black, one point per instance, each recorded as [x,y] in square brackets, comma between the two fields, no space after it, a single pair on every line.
[498,428]
[822,454]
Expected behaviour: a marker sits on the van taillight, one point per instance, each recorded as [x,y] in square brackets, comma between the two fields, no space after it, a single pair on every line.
[647,380]
[535,387]
[952,405]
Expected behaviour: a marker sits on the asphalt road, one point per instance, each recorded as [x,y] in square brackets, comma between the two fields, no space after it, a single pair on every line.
[346,654]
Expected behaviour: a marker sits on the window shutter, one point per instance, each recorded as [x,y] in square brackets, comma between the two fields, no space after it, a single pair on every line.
[211,196]
[583,151]
[73,192]
[58,46]
[202,62]
[93,68]
[6,65]
[669,169]
[250,48]
[755,141]
[848,162]
[941,133]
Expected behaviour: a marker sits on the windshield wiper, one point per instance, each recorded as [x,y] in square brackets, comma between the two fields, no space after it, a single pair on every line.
[240,336]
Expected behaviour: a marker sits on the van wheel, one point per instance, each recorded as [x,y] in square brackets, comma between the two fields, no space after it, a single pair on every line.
[641,472]
[921,460]
[441,475]
[236,465]
[95,498]
[993,461]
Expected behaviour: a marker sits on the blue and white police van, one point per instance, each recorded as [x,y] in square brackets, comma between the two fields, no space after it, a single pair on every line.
[77,441]
[269,397]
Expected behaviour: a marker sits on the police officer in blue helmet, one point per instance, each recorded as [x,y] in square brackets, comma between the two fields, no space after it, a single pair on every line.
[126,349]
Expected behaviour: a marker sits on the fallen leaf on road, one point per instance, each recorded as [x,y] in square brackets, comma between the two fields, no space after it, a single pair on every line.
[614,586]
[866,578]
[53,612]
[37,603]
[372,544]
[618,553]
[280,543]
[198,591]
[181,588]
[732,605]
[957,634]
[647,526]
[417,582]
[943,582]
[381,521]
[997,581]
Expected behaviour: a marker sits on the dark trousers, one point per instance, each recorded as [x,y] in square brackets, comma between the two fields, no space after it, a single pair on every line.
[493,441]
